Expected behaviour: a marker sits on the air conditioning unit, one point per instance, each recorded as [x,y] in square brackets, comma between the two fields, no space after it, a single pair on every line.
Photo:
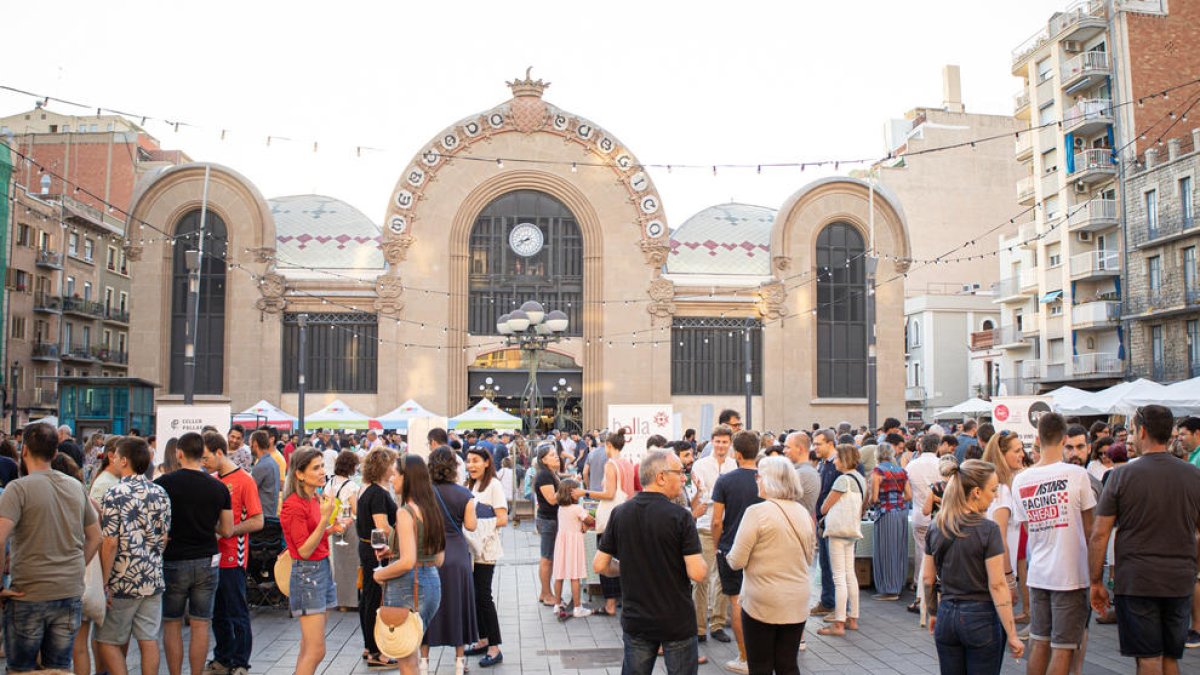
[1084,236]
[1072,46]
[1079,142]
[1081,189]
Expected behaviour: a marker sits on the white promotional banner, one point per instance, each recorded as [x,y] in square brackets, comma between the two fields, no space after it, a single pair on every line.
[173,421]
[1020,414]
[642,422]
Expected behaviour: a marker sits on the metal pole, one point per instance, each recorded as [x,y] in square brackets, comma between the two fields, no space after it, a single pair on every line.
[872,385]
[13,382]
[194,260]
[302,320]
[747,353]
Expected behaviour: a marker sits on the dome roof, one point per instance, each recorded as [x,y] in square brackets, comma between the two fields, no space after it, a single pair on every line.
[724,239]
[314,231]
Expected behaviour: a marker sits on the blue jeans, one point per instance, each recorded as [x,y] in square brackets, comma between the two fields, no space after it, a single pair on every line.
[191,588]
[46,628]
[398,592]
[232,639]
[681,656]
[827,598]
[969,638]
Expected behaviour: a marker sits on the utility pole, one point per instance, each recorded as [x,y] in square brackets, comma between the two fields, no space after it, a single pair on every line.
[302,320]
[872,394]
[747,353]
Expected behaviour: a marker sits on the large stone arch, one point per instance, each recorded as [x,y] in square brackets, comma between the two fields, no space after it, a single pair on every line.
[431,213]
[792,339]
[157,206]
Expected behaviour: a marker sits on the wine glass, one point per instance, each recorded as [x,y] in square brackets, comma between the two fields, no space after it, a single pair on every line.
[379,543]
[347,518]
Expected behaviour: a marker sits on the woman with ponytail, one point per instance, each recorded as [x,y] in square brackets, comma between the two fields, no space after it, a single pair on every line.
[1006,453]
[618,487]
[964,569]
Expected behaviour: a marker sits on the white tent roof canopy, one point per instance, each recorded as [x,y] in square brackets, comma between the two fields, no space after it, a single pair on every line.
[971,407]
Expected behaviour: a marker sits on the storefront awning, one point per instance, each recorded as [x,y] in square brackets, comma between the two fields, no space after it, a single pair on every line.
[1051,297]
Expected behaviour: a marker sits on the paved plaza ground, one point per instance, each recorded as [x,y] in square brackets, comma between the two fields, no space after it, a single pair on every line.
[535,642]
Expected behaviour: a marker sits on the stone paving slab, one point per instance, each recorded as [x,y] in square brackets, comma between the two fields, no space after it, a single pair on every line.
[535,642]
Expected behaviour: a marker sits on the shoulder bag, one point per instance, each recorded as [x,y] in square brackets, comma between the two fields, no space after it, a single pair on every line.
[844,520]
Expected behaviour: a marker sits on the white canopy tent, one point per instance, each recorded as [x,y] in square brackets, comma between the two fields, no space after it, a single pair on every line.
[1183,398]
[398,418]
[337,415]
[485,415]
[265,413]
[972,407]
[1112,401]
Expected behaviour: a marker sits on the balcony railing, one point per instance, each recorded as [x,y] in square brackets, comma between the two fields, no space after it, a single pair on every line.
[1031,324]
[1085,66]
[116,315]
[1088,115]
[983,339]
[44,302]
[1170,295]
[1031,370]
[1026,189]
[1093,215]
[51,259]
[1082,14]
[1095,263]
[1165,226]
[79,352]
[1093,164]
[45,351]
[1016,386]
[1023,146]
[1099,313]
[83,307]
[1009,337]
[111,356]
[1020,102]
[914,393]
[1096,364]
[47,398]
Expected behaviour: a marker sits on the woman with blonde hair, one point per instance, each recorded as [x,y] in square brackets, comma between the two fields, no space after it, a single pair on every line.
[851,487]
[1006,453]
[775,545]
[964,568]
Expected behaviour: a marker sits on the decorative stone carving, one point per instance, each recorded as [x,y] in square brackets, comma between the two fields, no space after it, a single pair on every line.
[656,252]
[265,254]
[902,266]
[395,249]
[388,289]
[782,263]
[662,296]
[272,287]
[133,253]
[770,300]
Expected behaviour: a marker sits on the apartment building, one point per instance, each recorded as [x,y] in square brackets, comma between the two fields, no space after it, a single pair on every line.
[940,338]
[1063,274]
[67,279]
[1162,290]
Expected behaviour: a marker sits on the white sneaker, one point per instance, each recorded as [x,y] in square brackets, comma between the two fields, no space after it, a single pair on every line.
[737,666]
[803,646]
[460,665]
[581,612]
[423,666]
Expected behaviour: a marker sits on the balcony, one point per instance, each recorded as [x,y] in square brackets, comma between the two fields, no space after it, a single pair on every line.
[1100,365]
[115,315]
[1031,325]
[1094,215]
[49,259]
[44,398]
[1021,104]
[914,394]
[1027,236]
[46,303]
[1009,337]
[1094,165]
[1095,265]
[1015,386]
[45,351]
[1027,281]
[1167,227]
[85,308]
[79,352]
[1088,116]
[983,340]
[111,356]
[1026,191]
[1084,71]
[1079,21]
[1024,146]
[1031,370]
[1008,289]
[1171,296]
[1097,315]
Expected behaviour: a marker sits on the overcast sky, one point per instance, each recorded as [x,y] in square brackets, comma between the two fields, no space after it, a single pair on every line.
[676,82]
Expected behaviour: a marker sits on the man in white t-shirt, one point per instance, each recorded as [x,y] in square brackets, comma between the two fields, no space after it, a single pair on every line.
[712,608]
[922,474]
[1055,501]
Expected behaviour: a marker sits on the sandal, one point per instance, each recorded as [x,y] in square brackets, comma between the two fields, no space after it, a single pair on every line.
[379,661]
[702,660]
[601,611]
[366,655]
[831,632]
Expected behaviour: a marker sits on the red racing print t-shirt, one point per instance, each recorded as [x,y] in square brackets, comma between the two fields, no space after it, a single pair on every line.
[243,497]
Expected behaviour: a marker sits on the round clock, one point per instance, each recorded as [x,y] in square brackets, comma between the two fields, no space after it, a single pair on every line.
[526,239]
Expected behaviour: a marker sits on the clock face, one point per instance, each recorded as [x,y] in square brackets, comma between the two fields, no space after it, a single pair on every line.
[526,239]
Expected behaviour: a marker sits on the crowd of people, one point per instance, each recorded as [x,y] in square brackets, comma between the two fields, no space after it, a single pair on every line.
[693,540]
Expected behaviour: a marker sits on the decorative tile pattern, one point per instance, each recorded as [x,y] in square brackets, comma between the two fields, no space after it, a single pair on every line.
[325,233]
[724,239]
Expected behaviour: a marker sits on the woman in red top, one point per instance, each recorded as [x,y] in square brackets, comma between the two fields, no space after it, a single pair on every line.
[305,520]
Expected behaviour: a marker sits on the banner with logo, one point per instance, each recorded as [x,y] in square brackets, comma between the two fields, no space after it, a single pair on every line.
[1020,414]
[173,421]
[641,422]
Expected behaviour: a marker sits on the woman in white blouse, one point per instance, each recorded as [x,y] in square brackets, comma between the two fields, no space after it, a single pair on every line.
[485,551]
[775,544]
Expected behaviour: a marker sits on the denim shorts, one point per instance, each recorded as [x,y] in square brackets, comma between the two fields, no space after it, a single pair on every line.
[1151,627]
[47,628]
[398,592]
[312,587]
[191,587]
[548,530]
[138,617]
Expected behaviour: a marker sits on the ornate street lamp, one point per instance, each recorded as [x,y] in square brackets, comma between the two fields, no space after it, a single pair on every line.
[562,396]
[531,329]
[489,389]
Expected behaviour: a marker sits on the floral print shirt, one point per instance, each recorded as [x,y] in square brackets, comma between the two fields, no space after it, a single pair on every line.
[137,513]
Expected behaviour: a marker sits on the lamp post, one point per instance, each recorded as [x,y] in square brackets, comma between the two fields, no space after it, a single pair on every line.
[562,394]
[192,260]
[16,368]
[489,389]
[531,329]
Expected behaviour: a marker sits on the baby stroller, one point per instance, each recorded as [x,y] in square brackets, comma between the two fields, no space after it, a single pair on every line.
[265,545]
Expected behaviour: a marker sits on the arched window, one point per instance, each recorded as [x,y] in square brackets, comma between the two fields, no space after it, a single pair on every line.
[210,327]
[988,324]
[841,313]
[501,278]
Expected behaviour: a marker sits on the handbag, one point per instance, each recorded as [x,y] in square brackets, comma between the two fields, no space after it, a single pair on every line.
[482,540]
[398,630]
[95,605]
[283,572]
[844,520]
[605,509]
